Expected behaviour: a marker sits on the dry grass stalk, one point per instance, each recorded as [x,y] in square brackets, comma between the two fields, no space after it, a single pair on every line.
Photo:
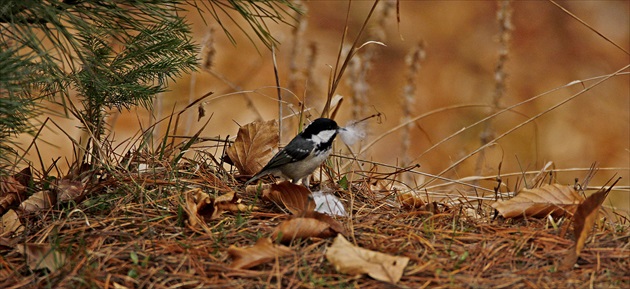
[414,62]
[362,63]
[504,19]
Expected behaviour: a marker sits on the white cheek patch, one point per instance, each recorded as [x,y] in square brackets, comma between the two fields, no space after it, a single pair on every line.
[324,136]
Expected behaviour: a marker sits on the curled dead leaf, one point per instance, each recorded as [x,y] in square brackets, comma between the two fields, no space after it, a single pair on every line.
[254,146]
[583,223]
[40,256]
[555,199]
[200,206]
[353,260]
[295,198]
[313,224]
[195,200]
[262,252]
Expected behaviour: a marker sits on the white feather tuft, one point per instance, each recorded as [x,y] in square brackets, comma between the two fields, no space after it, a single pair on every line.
[352,133]
[328,204]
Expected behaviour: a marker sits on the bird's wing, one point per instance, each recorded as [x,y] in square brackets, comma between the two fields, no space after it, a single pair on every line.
[301,150]
[284,157]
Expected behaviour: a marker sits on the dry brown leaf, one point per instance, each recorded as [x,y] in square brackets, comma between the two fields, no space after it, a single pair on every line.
[11,192]
[313,224]
[583,223]
[350,259]
[10,224]
[555,199]
[200,206]
[41,200]
[229,202]
[194,200]
[262,252]
[69,190]
[254,146]
[410,199]
[40,256]
[295,198]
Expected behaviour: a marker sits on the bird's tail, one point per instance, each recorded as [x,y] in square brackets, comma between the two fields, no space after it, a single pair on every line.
[255,177]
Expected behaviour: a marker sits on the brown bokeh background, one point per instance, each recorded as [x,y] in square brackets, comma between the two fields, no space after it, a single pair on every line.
[547,50]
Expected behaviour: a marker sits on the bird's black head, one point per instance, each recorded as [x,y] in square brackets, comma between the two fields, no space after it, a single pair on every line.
[319,125]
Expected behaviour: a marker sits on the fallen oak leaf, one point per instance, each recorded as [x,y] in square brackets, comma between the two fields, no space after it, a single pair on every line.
[295,198]
[350,259]
[556,200]
[262,252]
[314,224]
[40,256]
[254,146]
[583,223]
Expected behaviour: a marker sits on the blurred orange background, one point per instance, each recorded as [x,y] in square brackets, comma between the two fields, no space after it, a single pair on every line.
[547,50]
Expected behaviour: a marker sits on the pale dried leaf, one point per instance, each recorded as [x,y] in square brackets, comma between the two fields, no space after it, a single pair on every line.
[40,256]
[349,259]
[10,224]
[41,200]
[254,146]
[555,199]
[69,190]
[295,198]
[262,252]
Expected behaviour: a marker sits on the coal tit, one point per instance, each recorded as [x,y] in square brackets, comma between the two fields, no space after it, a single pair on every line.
[305,153]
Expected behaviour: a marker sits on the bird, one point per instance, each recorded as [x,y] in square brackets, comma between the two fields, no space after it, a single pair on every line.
[304,153]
